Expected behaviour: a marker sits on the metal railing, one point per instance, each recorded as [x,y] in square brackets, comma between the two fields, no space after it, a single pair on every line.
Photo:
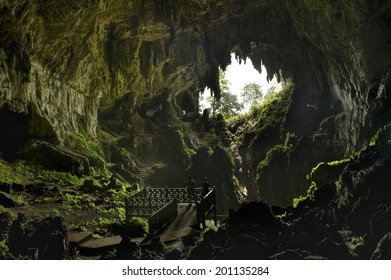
[160,205]
[163,216]
[181,194]
[206,205]
[144,206]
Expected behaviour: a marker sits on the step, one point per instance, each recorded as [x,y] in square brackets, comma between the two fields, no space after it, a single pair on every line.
[102,243]
[77,238]
[174,235]
[97,246]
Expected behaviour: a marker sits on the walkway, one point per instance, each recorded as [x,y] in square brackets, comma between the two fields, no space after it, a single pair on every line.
[183,225]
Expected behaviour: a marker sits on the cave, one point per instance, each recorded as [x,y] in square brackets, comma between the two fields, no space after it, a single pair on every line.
[15,129]
[112,94]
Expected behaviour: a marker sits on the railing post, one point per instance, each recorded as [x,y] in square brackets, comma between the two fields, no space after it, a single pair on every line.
[126,211]
[215,207]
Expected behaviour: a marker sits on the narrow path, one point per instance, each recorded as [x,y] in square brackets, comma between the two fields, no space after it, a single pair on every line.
[180,227]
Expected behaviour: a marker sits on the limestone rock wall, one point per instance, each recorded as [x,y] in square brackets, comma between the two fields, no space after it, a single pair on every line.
[65,61]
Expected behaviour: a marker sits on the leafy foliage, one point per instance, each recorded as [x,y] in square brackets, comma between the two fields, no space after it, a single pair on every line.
[252,94]
[228,103]
[85,145]
[7,175]
[49,176]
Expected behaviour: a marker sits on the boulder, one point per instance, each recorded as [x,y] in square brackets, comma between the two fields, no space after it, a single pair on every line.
[7,200]
[45,239]
[128,249]
[383,249]
[332,250]
[50,239]
[5,224]
[5,187]
[258,213]
[55,157]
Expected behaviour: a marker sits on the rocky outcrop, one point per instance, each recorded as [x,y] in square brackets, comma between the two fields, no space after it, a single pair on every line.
[347,219]
[45,239]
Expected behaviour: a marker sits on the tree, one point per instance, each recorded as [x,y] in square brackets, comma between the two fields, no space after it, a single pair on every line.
[228,103]
[252,94]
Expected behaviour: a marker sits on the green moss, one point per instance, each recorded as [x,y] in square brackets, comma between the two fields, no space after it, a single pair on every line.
[269,116]
[7,175]
[378,135]
[48,176]
[138,224]
[310,195]
[282,148]
[338,186]
[188,152]
[13,105]
[4,249]
[3,209]
[85,145]
[358,240]
[21,200]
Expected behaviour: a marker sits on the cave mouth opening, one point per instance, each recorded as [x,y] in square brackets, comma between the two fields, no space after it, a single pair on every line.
[242,87]
[15,127]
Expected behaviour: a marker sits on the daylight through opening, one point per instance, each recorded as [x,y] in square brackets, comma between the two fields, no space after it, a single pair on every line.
[242,87]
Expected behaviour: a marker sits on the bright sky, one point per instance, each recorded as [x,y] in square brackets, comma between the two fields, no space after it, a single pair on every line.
[238,76]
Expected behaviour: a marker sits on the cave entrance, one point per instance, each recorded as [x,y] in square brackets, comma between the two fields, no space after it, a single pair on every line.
[242,87]
[13,127]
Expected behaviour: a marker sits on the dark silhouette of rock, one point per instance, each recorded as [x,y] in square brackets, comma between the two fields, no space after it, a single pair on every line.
[37,189]
[258,213]
[5,187]
[7,200]
[128,249]
[175,254]
[5,225]
[331,250]
[383,250]
[45,239]
[18,237]
[295,254]
[50,238]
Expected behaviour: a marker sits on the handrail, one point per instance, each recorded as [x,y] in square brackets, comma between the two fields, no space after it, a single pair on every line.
[206,205]
[160,205]
[181,194]
[144,207]
[163,216]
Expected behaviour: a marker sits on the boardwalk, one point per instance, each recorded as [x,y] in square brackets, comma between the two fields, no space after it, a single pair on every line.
[183,225]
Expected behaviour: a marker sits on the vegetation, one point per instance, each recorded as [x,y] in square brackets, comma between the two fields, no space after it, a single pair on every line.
[4,249]
[48,176]
[83,143]
[281,148]
[252,94]
[13,105]
[138,225]
[7,175]
[310,195]
[268,116]
[3,209]
[228,103]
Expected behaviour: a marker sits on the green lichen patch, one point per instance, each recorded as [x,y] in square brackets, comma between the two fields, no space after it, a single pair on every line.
[85,145]
[309,196]
[38,173]
[7,175]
